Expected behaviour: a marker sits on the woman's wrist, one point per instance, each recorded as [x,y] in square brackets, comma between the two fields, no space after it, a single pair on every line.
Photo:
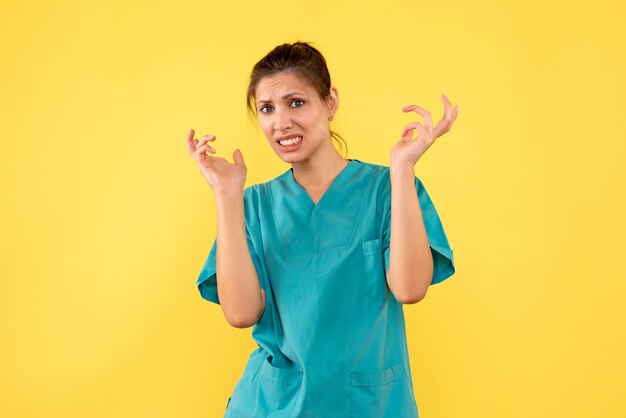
[227,196]
[227,192]
[401,170]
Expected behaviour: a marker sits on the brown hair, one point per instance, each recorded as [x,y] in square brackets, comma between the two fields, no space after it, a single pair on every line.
[299,58]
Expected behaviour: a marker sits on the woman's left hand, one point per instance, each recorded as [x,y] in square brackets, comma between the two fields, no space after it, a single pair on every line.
[407,150]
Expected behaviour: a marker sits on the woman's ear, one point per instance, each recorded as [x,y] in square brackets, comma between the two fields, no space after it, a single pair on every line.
[333,101]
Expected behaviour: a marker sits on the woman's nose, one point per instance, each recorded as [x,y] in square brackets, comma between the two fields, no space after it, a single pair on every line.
[282,121]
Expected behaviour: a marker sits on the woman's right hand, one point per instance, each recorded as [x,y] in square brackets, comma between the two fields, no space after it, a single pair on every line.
[222,176]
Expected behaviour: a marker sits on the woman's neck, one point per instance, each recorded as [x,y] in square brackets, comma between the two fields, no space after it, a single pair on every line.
[316,174]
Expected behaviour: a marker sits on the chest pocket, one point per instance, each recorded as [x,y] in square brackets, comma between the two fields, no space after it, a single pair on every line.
[373,271]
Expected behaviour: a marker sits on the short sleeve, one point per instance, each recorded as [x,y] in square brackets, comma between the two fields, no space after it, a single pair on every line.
[207,279]
[443,258]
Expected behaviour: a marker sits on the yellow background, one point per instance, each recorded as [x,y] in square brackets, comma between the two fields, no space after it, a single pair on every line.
[105,221]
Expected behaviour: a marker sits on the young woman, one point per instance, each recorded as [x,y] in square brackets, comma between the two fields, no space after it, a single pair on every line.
[321,259]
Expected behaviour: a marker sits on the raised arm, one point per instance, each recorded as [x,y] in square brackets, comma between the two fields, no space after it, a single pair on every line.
[240,294]
[410,259]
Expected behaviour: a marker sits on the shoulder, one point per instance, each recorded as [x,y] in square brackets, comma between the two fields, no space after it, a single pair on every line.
[380,183]
[260,191]
[381,172]
[378,176]
[373,169]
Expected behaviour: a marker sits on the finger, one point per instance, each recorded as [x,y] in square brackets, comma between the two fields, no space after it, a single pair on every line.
[204,149]
[408,130]
[423,135]
[455,112]
[238,157]
[407,135]
[448,118]
[446,105]
[428,121]
[204,140]
[191,147]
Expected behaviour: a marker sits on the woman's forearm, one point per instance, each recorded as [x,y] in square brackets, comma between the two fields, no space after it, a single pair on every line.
[240,294]
[410,259]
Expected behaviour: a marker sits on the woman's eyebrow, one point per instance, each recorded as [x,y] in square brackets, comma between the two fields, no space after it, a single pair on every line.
[286,96]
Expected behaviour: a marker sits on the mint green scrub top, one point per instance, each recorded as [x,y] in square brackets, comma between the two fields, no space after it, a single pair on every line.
[332,339]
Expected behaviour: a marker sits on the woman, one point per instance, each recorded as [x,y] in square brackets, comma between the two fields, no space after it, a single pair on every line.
[312,259]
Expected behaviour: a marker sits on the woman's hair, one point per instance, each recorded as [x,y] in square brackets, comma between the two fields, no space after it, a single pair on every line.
[301,59]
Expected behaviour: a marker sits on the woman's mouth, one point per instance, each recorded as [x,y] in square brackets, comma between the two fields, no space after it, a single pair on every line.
[290,144]
[290,141]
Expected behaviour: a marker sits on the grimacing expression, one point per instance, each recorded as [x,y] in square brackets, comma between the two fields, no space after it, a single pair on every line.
[293,117]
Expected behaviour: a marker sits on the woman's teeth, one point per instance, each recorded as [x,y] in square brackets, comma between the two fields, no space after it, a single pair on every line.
[290,141]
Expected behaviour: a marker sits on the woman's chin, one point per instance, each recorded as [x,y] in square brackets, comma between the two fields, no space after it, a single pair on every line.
[290,157]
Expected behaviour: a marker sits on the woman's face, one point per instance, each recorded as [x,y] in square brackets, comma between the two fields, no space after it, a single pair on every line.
[293,117]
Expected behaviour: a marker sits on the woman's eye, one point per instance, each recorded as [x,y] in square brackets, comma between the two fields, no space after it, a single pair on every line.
[265,108]
[297,103]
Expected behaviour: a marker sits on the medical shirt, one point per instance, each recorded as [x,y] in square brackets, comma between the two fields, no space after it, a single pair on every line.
[332,339]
